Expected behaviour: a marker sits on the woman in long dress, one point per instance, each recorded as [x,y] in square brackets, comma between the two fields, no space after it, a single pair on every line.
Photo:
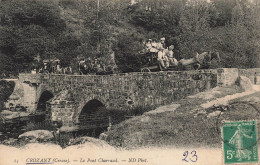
[237,140]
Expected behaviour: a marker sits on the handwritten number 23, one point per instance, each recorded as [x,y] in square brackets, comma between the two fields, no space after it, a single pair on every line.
[193,158]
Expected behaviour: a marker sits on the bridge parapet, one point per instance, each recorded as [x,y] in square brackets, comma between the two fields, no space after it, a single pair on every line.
[31,78]
[253,74]
[225,76]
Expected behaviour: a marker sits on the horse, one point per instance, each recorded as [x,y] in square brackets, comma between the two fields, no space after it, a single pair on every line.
[204,59]
[200,61]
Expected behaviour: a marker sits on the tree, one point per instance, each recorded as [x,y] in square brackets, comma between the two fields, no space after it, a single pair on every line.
[126,52]
[241,37]
[30,27]
[195,28]
[224,10]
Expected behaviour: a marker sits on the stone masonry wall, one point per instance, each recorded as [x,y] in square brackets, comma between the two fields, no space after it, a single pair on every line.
[253,74]
[29,98]
[121,91]
[125,91]
[135,89]
[62,108]
[227,76]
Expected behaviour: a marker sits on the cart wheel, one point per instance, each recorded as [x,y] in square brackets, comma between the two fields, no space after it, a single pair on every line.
[145,70]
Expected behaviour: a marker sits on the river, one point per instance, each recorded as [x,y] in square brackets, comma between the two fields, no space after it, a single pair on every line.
[14,127]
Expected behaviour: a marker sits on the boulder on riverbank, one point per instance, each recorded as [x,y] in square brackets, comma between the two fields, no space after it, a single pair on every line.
[37,135]
[10,141]
[89,141]
[7,115]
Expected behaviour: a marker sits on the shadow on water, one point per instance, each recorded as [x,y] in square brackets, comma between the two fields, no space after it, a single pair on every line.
[15,127]
[94,119]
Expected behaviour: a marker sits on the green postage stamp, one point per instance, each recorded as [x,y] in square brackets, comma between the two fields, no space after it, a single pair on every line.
[240,142]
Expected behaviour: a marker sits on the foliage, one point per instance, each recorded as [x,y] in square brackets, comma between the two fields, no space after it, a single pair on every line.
[229,27]
[240,37]
[6,89]
[30,27]
[224,10]
[127,56]
[195,28]
[66,29]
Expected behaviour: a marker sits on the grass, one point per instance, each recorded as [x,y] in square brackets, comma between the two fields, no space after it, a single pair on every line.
[184,126]
[121,115]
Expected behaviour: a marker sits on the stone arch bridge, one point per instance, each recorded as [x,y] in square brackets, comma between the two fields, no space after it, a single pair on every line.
[68,95]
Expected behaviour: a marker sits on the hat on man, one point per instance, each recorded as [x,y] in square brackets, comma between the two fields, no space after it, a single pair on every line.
[171,47]
[162,39]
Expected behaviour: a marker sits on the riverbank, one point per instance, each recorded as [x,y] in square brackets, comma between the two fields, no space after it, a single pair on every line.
[194,121]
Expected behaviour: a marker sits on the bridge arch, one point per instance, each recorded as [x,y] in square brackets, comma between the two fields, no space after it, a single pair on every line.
[94,115]
[44,97]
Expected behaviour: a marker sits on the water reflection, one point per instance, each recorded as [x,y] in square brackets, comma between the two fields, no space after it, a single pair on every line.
[14,127]
[11,129]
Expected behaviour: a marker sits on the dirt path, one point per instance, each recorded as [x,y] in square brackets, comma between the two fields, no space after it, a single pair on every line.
[225,100]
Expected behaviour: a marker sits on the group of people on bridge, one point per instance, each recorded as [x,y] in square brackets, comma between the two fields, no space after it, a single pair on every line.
[158,50]
[155,52]
[84,66]
[96,65]
[50,66]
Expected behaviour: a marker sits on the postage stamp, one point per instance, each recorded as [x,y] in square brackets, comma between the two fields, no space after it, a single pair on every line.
[240,142]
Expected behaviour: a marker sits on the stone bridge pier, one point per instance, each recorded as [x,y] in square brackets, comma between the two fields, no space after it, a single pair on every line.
[82,99]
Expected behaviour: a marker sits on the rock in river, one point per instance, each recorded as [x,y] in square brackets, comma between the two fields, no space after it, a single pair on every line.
[43,135]
[7,115]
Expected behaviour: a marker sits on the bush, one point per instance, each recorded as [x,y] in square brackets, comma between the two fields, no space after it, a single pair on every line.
[126,52]
[6,89]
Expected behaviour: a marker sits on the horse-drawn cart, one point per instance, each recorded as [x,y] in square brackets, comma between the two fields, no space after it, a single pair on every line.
[150,64]
[155,67]
[199,61]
